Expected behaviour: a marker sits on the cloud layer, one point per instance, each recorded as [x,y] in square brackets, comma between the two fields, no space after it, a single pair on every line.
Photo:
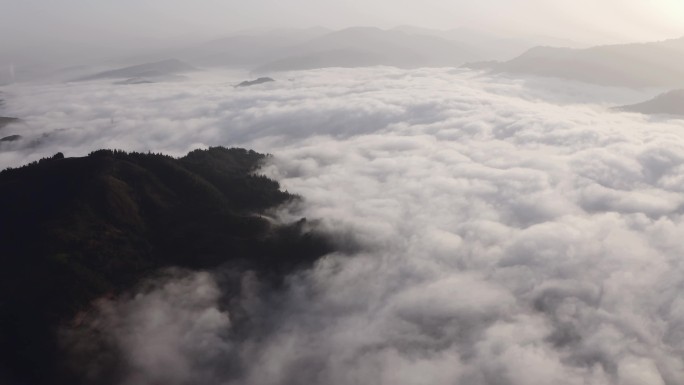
[513,232]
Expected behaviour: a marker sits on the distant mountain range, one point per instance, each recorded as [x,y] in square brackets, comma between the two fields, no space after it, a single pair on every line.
[406,47]
[358,47]
[300,49]
[656,64]
[249,50]
[76,229]
[490,46]
[670,103]
[156,70]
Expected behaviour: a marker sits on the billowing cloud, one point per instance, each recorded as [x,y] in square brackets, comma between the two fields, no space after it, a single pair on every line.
[511,234]
[171,331]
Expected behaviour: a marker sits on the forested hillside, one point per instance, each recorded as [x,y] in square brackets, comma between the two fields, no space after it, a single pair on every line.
[75,229]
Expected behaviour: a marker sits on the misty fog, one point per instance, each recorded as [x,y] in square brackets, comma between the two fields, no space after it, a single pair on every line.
[498,230]
[503,184]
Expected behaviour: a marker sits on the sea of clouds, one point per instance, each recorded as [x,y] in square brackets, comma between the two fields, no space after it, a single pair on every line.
[511,231]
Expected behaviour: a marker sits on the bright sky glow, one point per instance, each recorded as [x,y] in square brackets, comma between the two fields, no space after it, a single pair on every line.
[591,21]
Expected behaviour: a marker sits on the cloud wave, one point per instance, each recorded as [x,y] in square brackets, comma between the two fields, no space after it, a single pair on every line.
[511,235]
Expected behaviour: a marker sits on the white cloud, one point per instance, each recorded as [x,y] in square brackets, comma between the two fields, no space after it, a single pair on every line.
[171,331]
[507,239]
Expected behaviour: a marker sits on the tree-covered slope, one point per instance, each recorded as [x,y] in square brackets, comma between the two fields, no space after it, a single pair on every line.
[75,229]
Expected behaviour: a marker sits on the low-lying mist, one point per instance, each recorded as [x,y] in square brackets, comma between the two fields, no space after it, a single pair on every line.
[509,231]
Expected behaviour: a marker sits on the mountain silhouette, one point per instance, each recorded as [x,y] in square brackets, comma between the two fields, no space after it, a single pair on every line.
[365,46]
[250,50]
[404,46]
[656,64]
[249,83]
[670,103]
[158,69]
[490,46]
[11,138]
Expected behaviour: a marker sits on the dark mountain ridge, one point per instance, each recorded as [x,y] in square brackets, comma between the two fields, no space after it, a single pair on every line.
[75,229]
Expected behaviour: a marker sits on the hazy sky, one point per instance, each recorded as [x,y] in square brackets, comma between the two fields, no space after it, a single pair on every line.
[23,21]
